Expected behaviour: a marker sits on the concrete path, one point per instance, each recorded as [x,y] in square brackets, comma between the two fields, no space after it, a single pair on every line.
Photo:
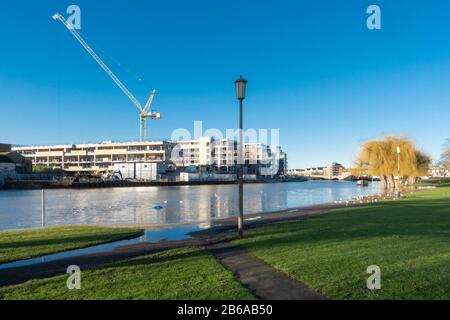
[261,279]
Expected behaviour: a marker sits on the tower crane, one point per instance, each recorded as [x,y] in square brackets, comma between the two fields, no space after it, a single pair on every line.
[144,112]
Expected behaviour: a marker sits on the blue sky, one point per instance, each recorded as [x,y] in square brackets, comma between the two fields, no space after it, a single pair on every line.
[315,71]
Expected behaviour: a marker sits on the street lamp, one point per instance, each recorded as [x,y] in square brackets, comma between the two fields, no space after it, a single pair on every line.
[241,85]
[398,167]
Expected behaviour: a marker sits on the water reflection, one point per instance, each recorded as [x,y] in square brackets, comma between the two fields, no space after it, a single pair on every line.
[185,204]
[152,236]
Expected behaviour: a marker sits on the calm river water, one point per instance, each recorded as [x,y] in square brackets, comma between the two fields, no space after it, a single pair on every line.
[185,204]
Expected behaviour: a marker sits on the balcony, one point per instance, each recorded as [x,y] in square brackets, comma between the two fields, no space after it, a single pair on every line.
[75,153]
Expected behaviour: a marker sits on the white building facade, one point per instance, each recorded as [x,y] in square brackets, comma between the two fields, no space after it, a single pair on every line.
[98,157]
[205,154]
[439,172]
[221,156]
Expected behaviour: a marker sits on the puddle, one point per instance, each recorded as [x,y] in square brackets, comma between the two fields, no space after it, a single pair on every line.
[149,236]
[253,219]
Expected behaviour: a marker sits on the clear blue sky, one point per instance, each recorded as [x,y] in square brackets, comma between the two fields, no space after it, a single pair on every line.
[315,71]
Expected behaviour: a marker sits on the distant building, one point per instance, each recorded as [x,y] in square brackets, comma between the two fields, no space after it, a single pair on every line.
[224,156]
[259,160]
[282,159]
[137,170]
[97,157]
[334,170]
[206,152]
[307,172]
[203,155]
[439,172]
[221,156]
[12,162]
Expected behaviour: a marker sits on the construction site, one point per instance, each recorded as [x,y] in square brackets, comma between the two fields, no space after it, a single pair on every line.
[205,159]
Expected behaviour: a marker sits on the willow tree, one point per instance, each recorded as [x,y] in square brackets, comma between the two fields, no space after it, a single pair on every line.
[380,158]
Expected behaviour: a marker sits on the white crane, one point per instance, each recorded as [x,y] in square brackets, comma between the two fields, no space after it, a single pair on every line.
[144,112]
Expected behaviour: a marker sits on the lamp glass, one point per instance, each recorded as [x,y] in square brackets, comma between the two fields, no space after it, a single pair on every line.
[241,85]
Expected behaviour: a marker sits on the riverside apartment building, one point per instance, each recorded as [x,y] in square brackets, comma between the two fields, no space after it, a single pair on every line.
[97,157]
[219,156]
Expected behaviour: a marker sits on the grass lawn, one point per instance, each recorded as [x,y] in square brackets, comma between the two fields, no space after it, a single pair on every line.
[408,239]
[16,245]
[176,274]
[439,182]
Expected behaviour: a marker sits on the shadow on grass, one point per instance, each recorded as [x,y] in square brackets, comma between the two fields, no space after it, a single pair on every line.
[57,240]
[192,253]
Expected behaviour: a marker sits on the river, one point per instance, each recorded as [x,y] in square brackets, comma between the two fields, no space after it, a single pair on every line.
[21,209]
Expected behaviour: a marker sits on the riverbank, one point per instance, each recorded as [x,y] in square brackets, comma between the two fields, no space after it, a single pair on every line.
[56,243]
[96,184]
[328,248]
[222,230]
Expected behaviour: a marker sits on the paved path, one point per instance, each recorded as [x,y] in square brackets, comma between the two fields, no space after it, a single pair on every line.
[261,279]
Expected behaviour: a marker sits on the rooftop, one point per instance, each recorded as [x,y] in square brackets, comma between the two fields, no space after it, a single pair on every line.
[87,145]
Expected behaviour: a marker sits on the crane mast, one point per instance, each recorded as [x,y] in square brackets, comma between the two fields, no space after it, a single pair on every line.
[143,112]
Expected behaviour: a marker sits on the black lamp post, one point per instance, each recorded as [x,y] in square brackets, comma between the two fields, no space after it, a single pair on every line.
[241,84]
[398,172]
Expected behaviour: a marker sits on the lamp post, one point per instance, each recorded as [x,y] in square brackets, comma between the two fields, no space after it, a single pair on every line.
[241,85]
[398,167]
[43,208]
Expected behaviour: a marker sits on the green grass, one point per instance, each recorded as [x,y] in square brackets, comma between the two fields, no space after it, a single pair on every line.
[437,182]
[16,245]
[176,274]
[408,239]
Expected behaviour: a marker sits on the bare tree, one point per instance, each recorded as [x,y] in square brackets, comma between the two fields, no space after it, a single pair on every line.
[445,157]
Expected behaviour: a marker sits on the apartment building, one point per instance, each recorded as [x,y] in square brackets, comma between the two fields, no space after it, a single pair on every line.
[307,172]
[265,160]
[221,156]
[281,157]
[96,157]
[439,171]
[197,152]
[334,170]
[225,156]
[205,153]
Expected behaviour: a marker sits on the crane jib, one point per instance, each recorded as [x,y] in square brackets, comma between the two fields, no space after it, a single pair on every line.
[143,111]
